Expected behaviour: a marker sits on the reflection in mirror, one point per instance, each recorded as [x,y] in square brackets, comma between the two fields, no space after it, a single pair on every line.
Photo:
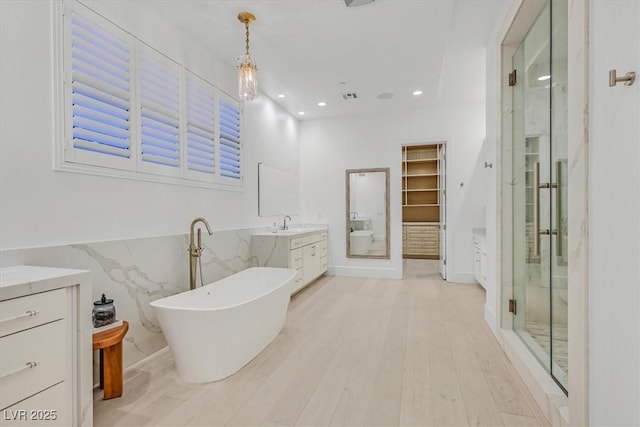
[367,216]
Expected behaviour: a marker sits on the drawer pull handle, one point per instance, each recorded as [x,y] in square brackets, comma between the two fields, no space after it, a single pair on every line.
[27,366]
[28,313]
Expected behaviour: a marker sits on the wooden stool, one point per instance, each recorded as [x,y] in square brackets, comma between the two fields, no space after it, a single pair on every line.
[109,343]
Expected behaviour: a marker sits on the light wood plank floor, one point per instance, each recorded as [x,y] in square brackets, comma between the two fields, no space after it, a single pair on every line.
[352,352]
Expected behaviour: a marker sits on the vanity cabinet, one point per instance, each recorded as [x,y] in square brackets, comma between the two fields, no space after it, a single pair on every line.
[311,262]
[45,356]
[480,257]
[304,252]
[33,349]
[476,258]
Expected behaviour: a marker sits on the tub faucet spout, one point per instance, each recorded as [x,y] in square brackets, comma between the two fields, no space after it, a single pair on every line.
[195,251]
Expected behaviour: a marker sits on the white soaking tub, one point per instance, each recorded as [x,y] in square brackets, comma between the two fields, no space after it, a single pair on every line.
[216,329]
[361,241]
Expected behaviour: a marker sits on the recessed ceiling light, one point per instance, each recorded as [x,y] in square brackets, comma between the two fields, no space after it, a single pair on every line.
[281,95]
[322,104]
[301,113]
[385,95]
[417,92]
[542,78]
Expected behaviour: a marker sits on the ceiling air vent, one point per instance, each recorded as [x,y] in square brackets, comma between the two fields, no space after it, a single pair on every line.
[351,95]
[353,3]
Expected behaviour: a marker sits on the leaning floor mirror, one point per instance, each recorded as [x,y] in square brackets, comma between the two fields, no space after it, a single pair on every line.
[367,216]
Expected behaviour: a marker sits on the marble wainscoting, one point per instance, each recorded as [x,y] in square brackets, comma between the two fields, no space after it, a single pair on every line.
[137,271]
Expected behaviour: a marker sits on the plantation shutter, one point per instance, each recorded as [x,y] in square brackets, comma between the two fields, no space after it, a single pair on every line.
[230,146]
[201,126]
[100,90]
[132,112]
[159,110]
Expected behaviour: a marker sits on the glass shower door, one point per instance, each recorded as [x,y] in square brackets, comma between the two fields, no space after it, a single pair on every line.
[559,212]
[539,189]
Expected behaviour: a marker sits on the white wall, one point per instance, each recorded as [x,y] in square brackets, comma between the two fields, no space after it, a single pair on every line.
[491,144]
[41,206]
[614,216]
[330,146]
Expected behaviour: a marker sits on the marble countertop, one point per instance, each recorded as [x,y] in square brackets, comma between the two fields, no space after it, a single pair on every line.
[293,231]
[21,280]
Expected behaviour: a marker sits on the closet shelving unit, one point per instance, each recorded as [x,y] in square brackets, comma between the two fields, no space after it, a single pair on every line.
[420,201]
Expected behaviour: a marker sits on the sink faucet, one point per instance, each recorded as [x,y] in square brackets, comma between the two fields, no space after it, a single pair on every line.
[284,222]
[354,214]
[196,251]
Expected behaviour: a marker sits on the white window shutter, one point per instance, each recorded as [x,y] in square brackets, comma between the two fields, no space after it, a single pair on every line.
[131,112]
[230,140]
[100,92]
[159,94]
[200,132]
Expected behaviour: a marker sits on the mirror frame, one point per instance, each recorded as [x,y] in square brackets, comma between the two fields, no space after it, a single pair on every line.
[348,173]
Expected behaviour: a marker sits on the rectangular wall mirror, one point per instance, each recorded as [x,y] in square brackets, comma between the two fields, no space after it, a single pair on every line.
[367,216]
[277,191]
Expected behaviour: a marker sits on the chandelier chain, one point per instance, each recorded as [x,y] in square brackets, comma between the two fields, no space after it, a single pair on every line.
[247,40]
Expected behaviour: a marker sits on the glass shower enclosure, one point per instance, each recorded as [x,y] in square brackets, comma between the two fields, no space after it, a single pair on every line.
[539,191]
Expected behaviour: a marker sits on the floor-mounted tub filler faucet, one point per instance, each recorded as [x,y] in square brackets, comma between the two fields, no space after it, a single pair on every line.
[196,251]
[284,222]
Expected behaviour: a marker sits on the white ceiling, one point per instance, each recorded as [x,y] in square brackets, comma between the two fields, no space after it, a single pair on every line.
[304,49]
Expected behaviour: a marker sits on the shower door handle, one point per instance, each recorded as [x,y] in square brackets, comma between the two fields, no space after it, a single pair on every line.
[558,187]
[537,231]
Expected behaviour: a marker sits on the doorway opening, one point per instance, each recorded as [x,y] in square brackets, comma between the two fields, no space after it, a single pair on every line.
[424,203]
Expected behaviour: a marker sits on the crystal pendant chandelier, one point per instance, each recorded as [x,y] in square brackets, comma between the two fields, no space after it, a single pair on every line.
[247,70]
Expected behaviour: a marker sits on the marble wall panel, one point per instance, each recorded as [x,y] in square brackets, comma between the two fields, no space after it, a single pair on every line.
[137,271]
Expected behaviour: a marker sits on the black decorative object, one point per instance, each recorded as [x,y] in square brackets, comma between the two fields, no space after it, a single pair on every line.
[104,312]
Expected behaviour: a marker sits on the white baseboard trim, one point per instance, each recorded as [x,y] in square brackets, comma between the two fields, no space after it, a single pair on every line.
[490,318]
[369,272]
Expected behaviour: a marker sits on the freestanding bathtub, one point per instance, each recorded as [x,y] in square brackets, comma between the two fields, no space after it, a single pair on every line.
[361,241]
[215,330]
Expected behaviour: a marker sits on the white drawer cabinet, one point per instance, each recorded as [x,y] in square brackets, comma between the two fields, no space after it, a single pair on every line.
[296,262]
[421,241]
[43,409]
[480,258]
[32,360]
[323,252]
[45,347]
[27,312]
[476,258]
[305,252]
